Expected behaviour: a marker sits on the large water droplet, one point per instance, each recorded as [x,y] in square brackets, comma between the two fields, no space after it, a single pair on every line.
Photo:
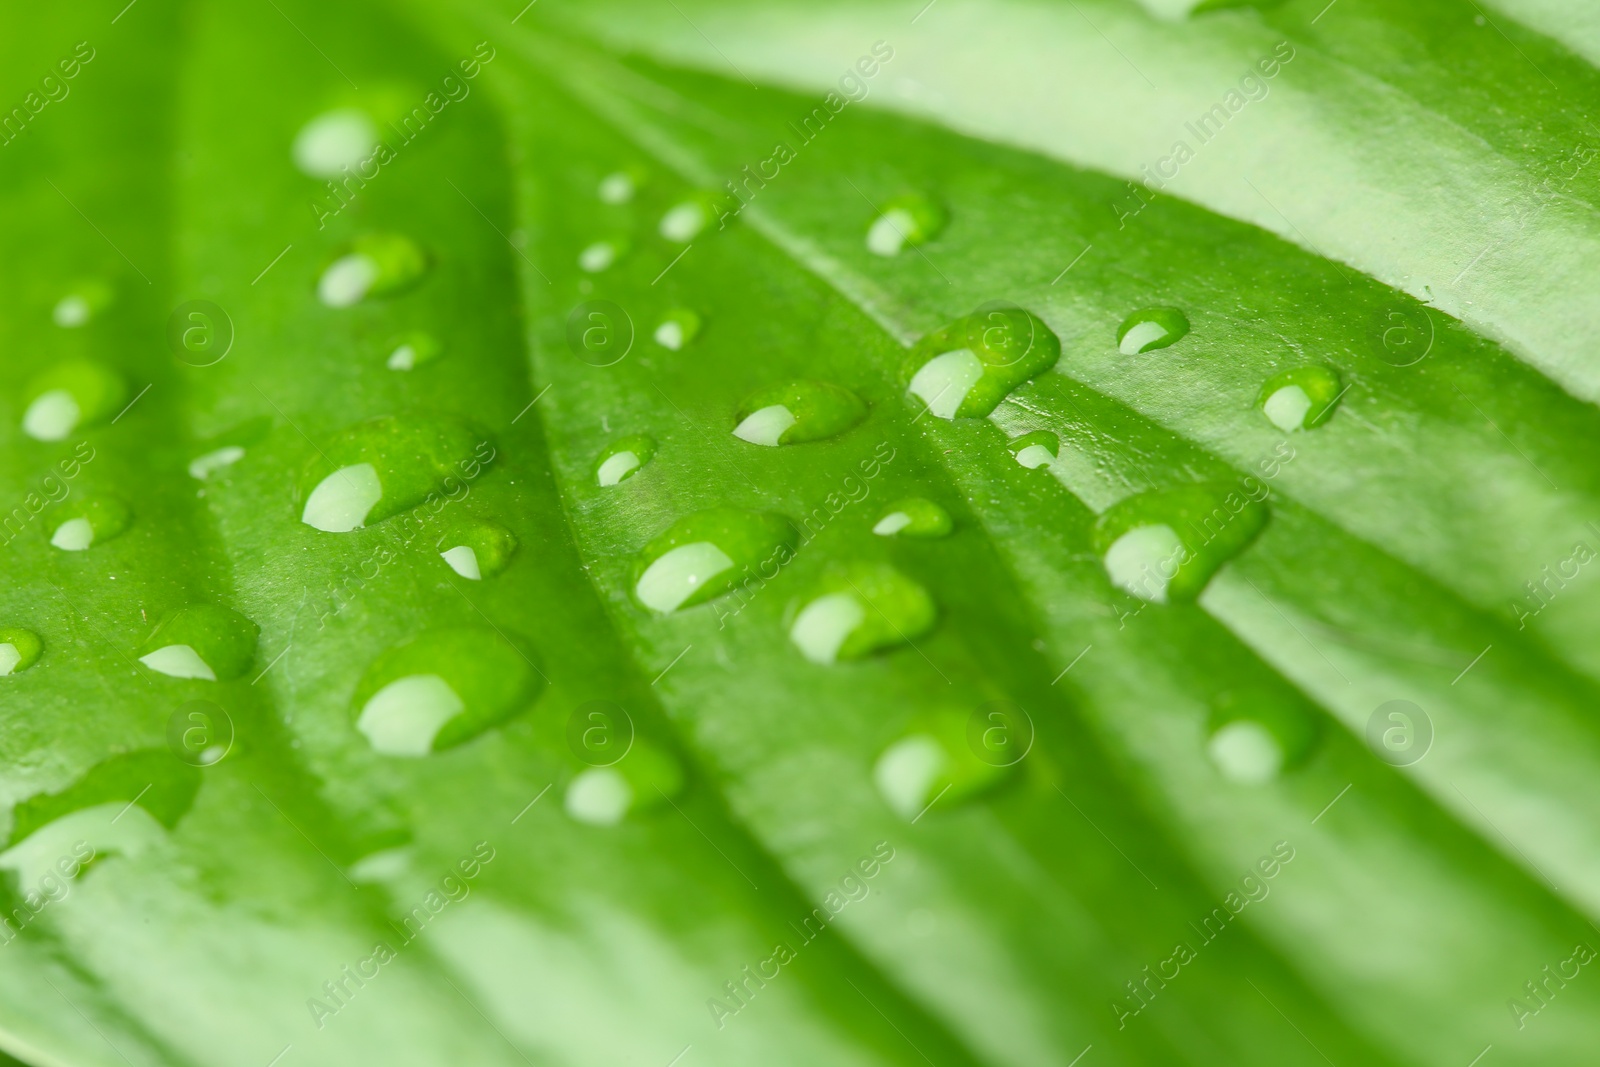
[623,458]
[1037,449]
[914,517]
[1165,544]
[1254,735]
[703,555]
[19,649]
[78,522]
[932,763]
[965,369]
[81,303]
[442,688]
[604,796]
[411,350]
[678,328]
[906,222]
[387,465]
[333,141]
[1151,328]
[69,395]
[1301,398]
[797,412]
[205,641]
[478,548]
[374,264]
[859,608]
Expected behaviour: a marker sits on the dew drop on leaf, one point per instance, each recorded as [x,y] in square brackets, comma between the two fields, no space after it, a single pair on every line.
[598,256]
[79,522]
[411,350]
[905,222]
[374,264]
[964,369]
[678,328]
[204,641]
[1253,736]
[19,649]
[616,188]
[1034,450]
[333,141]
[859,608]
[707,554]
[684,221]
[81,303]
[797,412]
[1151,328]
[1165,544]
[1301,398]
[442,688]
[932,762]
[603,796]
[203,466]
[477,548]
[387,465]
[914,517]
[623,458]
[70,395]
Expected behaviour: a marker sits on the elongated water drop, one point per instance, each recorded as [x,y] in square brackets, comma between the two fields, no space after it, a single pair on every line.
[913,517]
[70,395]
[1165,544]
[19,649]
[859,608]
[374,264]
[82,302]
[387,465]
[79,522]
[965,369]
[622,459]
[477,548]
[1255,735]
[1151,328]
[933,762]
[442,688]
[797,412]
[1038,449]
[1301,398]
[603,796]
[905,222]
[205,641]
[707,554]
[334,141]
[203,466]
[678,328]
[412,350]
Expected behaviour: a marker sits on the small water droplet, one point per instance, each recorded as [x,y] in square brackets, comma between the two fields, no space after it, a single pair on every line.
[19,649]
[684,220]
[600,255]
[906,222]
[1165,544]
[204,641]
[604,796]
[333,141]
[387,465]
[81,303]
[442,688]
[677,329]
[965,369]
[411,350]
[860,608]
[1034,450]
[1301,398]
[617,187]
[203,466]
[1253,736]
[78,522]
[914,517]
[623,458]
[1151,328]
[702,556]
[931,764]
[374,264]
[75,393]
[478,548]
[797,412]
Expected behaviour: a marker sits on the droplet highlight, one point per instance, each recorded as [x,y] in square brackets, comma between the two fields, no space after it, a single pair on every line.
[603,796]
[387,465]
[914,517]
[1151,328]
[677,329]
[70,395]
[83,302]
[1301,398]
[334,141]
[705,555]
[80,522]
[1255,736]
[860,608]
[598,256]
[1164,545]
[622,459]
[906,222]
[477,548]
[684,221]
[412,350]
[965,369]
[1034,450]
[374,265]
[797,412]
[19,649]
[202,641]
[930,765]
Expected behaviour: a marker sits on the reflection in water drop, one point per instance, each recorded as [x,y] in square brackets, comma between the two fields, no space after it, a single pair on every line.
[1151,328]
[707,554]
[964,369]
[1165,544]
[797,412]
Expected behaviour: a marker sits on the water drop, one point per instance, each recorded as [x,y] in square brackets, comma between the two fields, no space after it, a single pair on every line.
[69,395]
[623,458]
[411,350]
[933,763]
[604,796]
[906,222]
[914,517]
[204,466]
[1165,544]
[1255,735]
[1151,328]
[387,465]
[1301,398]
[333,141]
[204,641]
[78,522]
[616,188]
[19,649]
[702,556]
[384,865]
[477,548]
[374,264]
[598,256]
[860,608]
[81,303]
[965,369]
[677,329]
[684,221]
[1034,450]
[797,412]
[442,688]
